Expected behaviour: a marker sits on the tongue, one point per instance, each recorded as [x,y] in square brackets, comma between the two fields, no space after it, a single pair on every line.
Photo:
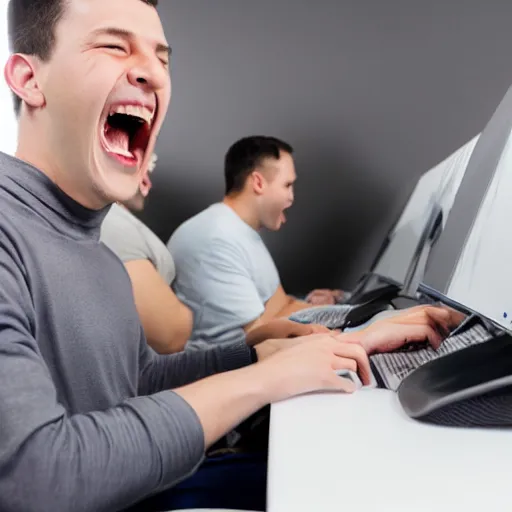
[118,141]
[282,218]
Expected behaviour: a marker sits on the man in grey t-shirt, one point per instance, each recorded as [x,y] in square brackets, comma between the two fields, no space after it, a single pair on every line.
[167,322]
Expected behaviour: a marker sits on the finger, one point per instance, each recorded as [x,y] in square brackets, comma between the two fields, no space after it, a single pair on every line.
[434,337]
[314,297]
[343,337]
[315,293]
[420,333]
[313,337]
[445,316]
[319,329]
[456,317]
[338,294]
[441,319]
[322,300]
[436,317]
[344,363]
[359,355]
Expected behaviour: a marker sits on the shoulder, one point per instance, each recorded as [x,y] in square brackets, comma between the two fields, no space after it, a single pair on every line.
[118,218]
[200,229]
[121,232]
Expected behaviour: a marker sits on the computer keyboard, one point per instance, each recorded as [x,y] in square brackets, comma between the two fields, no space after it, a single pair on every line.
[332,317]
[391,368]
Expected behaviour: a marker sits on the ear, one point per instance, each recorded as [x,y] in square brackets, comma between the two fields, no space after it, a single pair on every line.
[258,182]
[20,76]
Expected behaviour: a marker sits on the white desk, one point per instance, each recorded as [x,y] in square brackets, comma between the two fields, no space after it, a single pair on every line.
[360,452]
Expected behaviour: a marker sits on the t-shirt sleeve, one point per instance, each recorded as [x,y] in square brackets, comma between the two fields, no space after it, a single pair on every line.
[123,238]
[230,291]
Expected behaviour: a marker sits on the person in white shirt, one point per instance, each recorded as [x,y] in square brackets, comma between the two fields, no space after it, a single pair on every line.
[225,273]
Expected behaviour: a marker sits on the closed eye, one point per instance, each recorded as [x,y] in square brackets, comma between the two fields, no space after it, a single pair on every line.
[115,47]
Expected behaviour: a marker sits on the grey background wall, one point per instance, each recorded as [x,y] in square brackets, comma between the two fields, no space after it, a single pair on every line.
[371,93]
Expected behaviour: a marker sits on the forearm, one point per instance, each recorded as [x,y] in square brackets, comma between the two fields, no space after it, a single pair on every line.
[161,372]
[223,401]
[292,306]
[274,329]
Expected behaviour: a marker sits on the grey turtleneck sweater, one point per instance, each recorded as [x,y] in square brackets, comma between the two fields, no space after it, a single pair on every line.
[87,421]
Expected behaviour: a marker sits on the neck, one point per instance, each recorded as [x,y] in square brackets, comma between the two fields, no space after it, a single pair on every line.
[32,154]
[40,156]
[242,207]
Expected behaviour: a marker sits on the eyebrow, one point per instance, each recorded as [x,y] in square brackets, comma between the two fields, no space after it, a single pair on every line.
[126,34]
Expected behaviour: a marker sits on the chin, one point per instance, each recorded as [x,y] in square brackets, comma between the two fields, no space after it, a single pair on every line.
[273,227]
[112,182]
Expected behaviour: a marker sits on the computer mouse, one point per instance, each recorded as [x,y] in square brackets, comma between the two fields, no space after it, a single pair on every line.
[354,377]
[350,375]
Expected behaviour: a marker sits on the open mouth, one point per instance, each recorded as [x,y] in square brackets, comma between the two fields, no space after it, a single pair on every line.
[126,132]
[282,217]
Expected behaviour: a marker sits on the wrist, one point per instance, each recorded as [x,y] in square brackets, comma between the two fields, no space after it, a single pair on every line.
[257,384]
[358,337]
[266,349]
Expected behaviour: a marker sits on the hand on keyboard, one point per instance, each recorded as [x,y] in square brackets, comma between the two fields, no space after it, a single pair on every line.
[324,297]
[413,325]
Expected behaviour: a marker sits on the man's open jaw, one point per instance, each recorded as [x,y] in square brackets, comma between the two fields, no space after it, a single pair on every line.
[125,132]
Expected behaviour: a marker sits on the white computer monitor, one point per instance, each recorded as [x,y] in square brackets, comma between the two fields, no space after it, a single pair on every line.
[429,206]
[470,265]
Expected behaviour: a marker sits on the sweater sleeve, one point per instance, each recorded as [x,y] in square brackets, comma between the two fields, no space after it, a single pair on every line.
[100,461]
[161,372]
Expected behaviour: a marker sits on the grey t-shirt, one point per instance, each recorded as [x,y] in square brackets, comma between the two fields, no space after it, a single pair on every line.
[130,239]
[224,273]
[87,421]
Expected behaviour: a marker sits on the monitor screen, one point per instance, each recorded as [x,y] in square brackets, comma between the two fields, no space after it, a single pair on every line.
[469,263]
[401,257]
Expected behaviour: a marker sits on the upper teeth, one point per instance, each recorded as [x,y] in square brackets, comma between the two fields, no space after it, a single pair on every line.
[134,110]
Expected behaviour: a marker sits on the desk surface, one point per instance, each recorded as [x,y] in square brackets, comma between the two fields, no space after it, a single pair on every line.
[330,451]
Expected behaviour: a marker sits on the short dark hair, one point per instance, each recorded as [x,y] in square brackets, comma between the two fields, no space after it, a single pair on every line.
[32,28]
[247,154]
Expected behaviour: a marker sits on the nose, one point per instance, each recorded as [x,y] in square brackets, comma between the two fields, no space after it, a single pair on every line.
[149,74]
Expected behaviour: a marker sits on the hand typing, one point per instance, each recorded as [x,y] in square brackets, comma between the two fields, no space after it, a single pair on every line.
[418,324]
[324,297]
